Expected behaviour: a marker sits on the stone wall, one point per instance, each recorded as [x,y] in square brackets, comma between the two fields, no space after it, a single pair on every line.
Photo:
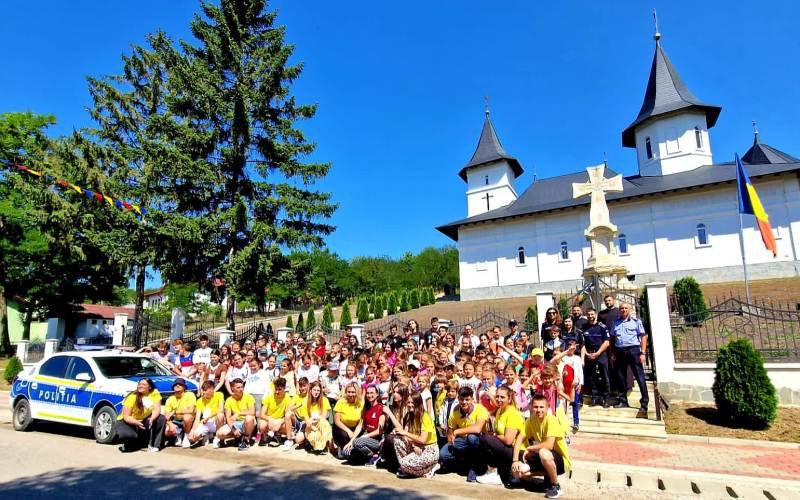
[674,392]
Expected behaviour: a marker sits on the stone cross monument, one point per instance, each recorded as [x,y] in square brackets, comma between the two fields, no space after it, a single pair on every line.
[604,261]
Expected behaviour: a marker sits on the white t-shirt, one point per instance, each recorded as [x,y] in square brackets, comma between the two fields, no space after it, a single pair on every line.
[332,385]
[202,355]
[473,383]
[426,396]
[257,383]
[312,374]
[234,373]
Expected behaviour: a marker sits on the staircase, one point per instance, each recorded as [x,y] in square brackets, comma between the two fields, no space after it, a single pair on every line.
[622,422]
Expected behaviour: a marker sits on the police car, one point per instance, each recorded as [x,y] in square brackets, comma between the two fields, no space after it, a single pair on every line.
[84,388]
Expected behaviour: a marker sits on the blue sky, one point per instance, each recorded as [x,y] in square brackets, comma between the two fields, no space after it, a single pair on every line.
[401,85]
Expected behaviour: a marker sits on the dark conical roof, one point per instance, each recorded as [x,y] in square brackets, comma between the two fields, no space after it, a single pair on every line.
[666,93]
[490,150]
[759,154]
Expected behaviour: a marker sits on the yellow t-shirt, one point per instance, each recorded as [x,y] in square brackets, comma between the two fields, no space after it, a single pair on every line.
[299,404]
[427,426]
[274,408]
[537,432]
[457,421]
[246,403]
[186,403]
[437,407]
[318,409]
[510,418]
[148,402]
[349,414]
[209,408]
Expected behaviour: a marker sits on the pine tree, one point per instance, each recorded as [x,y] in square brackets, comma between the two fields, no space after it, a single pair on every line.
[431,296]
[289,322]
[531,319]
[378,309]
[743,391]
[327,317]
[423,297]
[413,299]
[691,302]
[311,319]
[362,311]
[300,327]
[403,302]
[233,84]
[345,318]
[391,307]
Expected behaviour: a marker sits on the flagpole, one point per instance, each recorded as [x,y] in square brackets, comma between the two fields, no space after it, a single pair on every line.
[744,259]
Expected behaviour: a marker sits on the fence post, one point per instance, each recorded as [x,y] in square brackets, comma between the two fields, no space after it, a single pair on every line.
[120,323]
[661,330]
[177,323]
[22,350]
[225,337]
[544,301]
[50,347]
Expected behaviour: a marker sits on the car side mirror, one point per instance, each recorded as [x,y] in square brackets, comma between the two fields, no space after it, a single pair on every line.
[84,377]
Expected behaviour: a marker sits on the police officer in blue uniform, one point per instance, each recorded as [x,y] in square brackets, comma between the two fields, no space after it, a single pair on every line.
[596,341]
[630,341]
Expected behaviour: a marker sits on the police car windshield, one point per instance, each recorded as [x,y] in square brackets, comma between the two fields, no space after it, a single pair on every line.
[129,366]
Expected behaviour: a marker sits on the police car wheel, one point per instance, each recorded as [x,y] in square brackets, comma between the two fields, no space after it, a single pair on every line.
[22,415]
[104,425]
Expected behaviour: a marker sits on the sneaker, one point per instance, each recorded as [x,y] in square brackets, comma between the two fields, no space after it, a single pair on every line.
[263,440]
[433,471]
[403,475]
[575,429]
[489,478]
[642,412]
[373,460]
[244,445]
[554,491]
[288,445]
[471,476]
[215,443]
[622,404]
[152,449]
[272,443]
[513,483]
[271,435]
[186,443]
[124,449]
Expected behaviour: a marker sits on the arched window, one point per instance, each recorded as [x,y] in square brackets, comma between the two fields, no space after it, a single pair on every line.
[648,148]
[521,255]
[702,234]
[698,138]
[564,253]
[623,243]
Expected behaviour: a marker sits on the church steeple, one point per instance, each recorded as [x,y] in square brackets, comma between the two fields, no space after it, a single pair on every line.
[490,173]
[760,154]
[490,150]
[670,132]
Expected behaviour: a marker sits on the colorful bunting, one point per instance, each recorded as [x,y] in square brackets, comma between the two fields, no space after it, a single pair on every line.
[92,195]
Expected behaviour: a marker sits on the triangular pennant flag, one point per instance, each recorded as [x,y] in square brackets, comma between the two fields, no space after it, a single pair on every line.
[143,211]
[76,188]
[118,204]
[98,196]
[126,205]
[89,194]
[34,172]
[109,200]
[136,209]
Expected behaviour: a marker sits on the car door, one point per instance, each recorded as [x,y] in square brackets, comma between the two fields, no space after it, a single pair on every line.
[47,388]
[79,393]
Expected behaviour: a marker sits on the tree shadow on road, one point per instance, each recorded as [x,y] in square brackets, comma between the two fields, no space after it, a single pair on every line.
[249,482]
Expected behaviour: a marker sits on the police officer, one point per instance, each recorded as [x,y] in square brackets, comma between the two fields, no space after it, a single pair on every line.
[630,341]
[595,370]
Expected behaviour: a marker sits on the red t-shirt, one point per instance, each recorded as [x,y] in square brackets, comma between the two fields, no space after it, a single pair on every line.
[320,351]
[372,417]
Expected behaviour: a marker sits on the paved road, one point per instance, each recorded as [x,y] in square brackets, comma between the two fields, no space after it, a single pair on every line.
[58,461]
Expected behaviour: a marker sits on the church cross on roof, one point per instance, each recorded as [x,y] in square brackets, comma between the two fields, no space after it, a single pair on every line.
[764,153]
[666,93]
[490,150]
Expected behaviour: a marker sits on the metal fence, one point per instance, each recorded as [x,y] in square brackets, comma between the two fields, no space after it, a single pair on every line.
[773,328]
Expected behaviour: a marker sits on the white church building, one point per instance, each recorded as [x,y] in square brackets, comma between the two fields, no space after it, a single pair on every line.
[677,217]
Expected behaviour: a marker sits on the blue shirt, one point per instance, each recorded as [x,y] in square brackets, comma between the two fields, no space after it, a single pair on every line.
[627,332]
[594,336]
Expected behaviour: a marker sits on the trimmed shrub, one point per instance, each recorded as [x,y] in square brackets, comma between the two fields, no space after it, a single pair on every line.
[413,299]
[13,368]
[378,307]
[691,303]
[301,326]
[289,322]
[743,392]
[563,306]
[327,317]
[362,311]
[531,320]
[403,302]
[345,318]
[391,307]
[431,296]
[311,319]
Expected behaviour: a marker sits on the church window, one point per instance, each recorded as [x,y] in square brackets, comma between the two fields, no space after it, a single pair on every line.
[672,143]
[648,148]
[702,235]
[486,179]
[521,256]
[698,138]
[623,244]
[563,254]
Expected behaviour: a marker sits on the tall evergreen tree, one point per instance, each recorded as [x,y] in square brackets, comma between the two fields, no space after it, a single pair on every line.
[301,325]
[233,86]
[403,302]
[327,317]
[362,311]
[289,322]
[345,318]
[311,319]
[413,299]
[391,307]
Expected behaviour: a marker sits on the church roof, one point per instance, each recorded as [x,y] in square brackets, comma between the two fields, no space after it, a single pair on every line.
[490,150]
[666,93]
[555,193]
[763,153]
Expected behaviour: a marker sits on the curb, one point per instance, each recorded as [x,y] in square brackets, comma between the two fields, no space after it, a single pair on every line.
[733,441]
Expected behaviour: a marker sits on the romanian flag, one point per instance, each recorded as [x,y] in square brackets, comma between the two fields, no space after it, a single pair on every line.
[750,204]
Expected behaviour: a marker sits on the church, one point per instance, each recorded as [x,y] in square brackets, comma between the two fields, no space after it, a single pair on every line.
[677,217]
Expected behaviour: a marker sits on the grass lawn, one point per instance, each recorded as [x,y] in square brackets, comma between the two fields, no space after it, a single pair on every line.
[702,420]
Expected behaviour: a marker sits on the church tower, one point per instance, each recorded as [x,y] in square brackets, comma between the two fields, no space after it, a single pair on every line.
[490,174]
[671,132]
